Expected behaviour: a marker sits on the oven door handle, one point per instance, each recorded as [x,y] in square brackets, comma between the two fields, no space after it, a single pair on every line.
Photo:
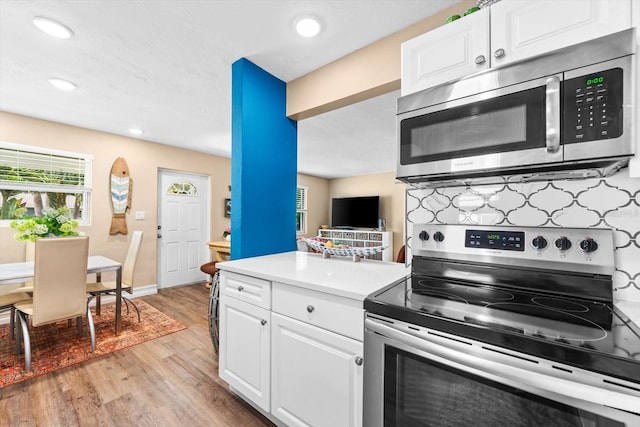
[507,373]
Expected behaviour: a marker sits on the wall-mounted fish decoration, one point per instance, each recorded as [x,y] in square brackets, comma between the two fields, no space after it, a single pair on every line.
[121,189]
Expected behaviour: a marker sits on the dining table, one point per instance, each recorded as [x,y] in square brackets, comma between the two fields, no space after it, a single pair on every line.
[20,272]
[222,248]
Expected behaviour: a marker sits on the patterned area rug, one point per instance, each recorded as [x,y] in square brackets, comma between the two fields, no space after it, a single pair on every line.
[58,345]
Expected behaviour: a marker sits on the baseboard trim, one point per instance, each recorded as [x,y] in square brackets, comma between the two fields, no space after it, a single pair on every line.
[141,291]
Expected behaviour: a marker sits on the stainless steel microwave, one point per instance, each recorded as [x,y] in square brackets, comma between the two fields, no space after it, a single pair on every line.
[565,114]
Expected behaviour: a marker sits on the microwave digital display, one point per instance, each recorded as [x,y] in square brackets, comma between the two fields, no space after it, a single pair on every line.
[595,80]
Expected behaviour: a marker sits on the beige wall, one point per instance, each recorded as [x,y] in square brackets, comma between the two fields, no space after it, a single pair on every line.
[366,73]
[391,194]
[144,160]
[348,80]
[317,204]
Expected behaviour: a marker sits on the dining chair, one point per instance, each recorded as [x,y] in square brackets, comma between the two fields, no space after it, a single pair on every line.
[59,289]
[97,289]
[29,254]
[7,301]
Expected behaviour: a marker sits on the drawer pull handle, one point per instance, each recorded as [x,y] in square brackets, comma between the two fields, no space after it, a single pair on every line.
[499,53]
[480,59]
[263,322]
[240,288]
[310,308]
[358,361]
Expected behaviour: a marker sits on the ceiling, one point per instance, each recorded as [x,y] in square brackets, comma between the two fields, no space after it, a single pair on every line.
[164,66]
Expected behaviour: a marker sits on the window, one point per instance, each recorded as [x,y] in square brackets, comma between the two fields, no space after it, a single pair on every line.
[35,178]
[183,187]
[301,210]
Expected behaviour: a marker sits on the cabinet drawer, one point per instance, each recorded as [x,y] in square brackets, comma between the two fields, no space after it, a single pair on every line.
[246,288]
[341,315]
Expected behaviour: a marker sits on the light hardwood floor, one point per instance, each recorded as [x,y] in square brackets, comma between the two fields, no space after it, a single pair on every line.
[169,381]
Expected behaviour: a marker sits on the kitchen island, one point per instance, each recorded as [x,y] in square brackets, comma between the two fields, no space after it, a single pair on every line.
[291,333]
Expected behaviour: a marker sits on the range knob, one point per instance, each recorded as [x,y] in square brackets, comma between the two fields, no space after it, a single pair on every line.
[539,242]
[563,243]
[438,236]
[588,245]
[424,236]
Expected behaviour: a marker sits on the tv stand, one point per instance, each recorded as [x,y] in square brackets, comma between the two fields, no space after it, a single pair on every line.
[362,239]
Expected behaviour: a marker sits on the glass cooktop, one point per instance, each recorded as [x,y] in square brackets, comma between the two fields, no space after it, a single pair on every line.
[584,333]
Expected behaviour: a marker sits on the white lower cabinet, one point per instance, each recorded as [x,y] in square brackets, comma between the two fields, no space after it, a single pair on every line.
[316,375]
[245,358]
[293,353]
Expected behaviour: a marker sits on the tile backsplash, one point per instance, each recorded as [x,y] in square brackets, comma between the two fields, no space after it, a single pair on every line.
[612,202]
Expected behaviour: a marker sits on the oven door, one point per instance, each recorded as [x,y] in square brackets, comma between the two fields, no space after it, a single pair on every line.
[502,128]
[417,377]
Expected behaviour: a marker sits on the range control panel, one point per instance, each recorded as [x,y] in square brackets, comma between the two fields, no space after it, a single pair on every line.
[544,247]
[495,239]
[593,106]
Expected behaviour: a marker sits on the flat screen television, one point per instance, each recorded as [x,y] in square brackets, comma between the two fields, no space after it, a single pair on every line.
[355,212]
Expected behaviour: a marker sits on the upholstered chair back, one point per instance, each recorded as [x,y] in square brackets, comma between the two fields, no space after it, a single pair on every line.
[60,279]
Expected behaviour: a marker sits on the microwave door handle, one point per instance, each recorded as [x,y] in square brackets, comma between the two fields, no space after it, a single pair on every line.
[553,114]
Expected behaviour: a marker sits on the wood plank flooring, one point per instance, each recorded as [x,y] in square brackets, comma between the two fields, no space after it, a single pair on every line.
[169,381]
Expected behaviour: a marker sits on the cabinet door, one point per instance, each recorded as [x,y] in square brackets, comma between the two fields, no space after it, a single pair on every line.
[245,359]
[524,28]
[446,53]
[316,375]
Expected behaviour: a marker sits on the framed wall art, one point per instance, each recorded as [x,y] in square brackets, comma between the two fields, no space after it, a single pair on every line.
[227,208]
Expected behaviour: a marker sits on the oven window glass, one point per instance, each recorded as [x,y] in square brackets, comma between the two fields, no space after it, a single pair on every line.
[422,393]
[516,121]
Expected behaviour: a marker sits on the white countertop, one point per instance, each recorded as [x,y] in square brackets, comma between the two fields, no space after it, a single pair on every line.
[336,275]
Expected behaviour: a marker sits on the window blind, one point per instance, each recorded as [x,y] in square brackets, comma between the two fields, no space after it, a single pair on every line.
[301,198]
[42,169]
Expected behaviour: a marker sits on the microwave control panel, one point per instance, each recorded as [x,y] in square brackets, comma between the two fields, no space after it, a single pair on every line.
[593,106]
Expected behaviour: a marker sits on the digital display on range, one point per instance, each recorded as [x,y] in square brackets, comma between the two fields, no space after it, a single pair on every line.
[503,240]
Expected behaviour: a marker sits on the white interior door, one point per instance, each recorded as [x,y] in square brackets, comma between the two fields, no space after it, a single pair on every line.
[183,227]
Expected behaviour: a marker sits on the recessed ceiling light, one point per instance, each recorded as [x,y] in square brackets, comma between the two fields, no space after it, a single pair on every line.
[52,27]
[135,131]
[62,84]
[307,26]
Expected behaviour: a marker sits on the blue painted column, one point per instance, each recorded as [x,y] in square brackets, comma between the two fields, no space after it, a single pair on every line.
[263,164]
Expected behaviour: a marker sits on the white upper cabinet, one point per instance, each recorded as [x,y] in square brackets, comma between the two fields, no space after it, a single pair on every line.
[522,28]
[508,31]
[452,51]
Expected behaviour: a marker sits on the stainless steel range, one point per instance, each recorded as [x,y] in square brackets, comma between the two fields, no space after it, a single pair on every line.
[502,326]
